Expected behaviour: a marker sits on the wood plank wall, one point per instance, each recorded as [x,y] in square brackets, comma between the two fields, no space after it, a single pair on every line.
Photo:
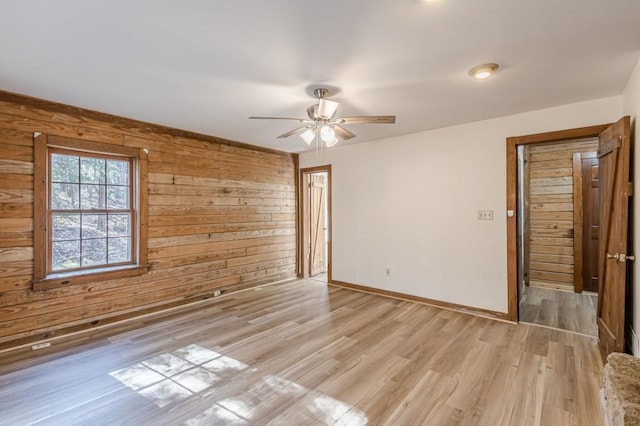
[221,216]
[550,212]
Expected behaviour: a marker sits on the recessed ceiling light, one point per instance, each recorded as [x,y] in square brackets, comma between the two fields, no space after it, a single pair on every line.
[483,71]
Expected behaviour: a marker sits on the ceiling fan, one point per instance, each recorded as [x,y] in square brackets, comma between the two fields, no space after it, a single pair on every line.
[322,124]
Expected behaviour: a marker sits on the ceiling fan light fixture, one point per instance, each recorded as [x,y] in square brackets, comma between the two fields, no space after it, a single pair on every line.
[308,136]
[332,142]
[322,127]
[483,71]
[327,108]
[327,134]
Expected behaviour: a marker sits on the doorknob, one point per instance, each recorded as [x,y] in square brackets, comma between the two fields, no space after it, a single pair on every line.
[620,257]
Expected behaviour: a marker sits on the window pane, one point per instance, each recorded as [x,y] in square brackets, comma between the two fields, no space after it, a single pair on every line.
[117,172]
[66,226]
[64,168]
[94,252]
[93,196]
[117,197]
[66,255]
[64,196]
[92,170]
[119,225]
[94,226]
[119,250]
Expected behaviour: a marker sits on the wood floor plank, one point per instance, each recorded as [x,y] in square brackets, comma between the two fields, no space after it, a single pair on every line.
[560,309]
[302,353]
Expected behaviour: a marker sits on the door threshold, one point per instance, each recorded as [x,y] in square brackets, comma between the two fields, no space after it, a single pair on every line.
[558,329]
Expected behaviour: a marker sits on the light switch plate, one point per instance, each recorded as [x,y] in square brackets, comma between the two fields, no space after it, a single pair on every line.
[485,214]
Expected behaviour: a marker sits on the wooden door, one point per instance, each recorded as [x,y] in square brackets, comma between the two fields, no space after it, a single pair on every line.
[317,258]
[590,220]
[613,154]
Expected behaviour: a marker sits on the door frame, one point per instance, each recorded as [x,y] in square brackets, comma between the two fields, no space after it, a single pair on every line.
[512,199]
[303,184]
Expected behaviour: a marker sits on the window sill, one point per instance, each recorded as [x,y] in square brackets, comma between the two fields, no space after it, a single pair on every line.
[59,280]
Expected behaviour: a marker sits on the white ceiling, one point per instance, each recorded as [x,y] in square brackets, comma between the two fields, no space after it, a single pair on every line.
[206,66]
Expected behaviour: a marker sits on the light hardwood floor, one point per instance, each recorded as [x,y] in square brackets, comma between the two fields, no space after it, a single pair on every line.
[302,353]
[560,309]
[320,278]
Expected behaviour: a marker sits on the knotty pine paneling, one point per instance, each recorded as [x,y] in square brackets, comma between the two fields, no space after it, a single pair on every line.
[550,212]
[221,215]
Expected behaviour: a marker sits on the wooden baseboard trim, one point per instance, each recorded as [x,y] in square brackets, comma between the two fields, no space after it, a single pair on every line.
[21,350]
[485,313]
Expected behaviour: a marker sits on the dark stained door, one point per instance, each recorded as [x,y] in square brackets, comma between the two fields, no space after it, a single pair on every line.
[615,190]
[590,221]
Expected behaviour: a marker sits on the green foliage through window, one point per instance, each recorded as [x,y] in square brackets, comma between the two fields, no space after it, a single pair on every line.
[91,213]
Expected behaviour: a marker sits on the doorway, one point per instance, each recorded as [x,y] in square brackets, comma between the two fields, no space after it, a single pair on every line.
[558,247]
[315,223]
[614,192]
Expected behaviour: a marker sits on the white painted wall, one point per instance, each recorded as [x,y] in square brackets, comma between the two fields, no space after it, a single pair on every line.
[631,106]
[410,203]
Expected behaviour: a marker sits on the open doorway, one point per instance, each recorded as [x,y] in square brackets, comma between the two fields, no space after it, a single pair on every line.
[315,223]
[558,200]
[614,262]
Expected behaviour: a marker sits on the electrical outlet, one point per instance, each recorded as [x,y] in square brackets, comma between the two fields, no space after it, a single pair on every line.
[485,214]
[216,293]
[387,271]
[40,346]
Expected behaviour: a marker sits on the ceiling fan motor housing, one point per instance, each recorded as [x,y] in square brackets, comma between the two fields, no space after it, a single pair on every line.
[312,112]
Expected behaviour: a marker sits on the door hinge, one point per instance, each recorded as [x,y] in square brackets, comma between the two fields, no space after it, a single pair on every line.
[629,189]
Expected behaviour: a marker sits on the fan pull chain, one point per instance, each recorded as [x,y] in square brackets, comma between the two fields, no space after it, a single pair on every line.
[318,145]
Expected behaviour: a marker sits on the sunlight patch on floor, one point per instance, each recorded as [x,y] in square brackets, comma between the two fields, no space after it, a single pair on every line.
[187,371]
[171,377]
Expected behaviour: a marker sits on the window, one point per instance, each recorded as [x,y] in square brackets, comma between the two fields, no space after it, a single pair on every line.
[90,212]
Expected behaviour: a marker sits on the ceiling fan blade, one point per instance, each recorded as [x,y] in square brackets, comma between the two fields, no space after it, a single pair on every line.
[368,119]
[343,133]
[292,132]
[301,120]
